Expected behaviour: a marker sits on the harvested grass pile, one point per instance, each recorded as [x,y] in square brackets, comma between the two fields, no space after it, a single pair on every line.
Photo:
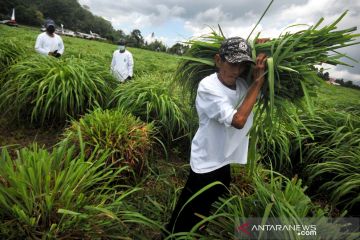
[291,60]
[48,90]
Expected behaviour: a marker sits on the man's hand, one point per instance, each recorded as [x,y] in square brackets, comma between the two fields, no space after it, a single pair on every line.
[262,40]
[259,70]
[54,54]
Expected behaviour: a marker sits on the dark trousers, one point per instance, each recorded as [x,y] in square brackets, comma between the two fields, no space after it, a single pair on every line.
[202,203]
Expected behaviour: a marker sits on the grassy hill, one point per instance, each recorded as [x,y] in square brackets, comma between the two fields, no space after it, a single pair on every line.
[145,60]
[115,167]
[93,51]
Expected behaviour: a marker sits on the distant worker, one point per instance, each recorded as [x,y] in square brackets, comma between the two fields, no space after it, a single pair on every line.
[48,42]
[122,63]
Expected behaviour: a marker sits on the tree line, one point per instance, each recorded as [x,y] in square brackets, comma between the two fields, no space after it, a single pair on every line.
[326,77]
[77,18]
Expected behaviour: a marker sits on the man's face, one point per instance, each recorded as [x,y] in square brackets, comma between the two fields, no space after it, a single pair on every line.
[229,72]
[50,29]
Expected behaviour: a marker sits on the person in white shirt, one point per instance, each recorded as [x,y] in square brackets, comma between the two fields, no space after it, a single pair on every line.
[122,63]
[48,42]
[224,104]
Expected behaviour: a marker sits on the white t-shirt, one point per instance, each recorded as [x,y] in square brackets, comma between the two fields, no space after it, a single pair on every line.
[122,65]
[217,143]
[45,44]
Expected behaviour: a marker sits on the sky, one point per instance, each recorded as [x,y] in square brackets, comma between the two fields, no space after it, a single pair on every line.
[174,21]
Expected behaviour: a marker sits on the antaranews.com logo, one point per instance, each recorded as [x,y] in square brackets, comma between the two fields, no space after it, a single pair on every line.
[305,228]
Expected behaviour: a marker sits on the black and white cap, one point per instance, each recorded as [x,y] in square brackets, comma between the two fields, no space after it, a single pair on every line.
[236,50]
[49,22]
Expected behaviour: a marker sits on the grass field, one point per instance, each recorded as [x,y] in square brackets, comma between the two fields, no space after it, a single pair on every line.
[50,188]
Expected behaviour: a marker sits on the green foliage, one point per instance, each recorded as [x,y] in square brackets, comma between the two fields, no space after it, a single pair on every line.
[29,15]
[86,203]
[135,38]
[334,156]
[67,12]
[278,145]
[157,45]
[277,200]
[145,61]
[126,138]
[291,60]
[339,99]
[322,148]
[43,89]
[153,97]
[198,61]
[10,52]
[62,195]
[149,62]
[326,154]
[178,49]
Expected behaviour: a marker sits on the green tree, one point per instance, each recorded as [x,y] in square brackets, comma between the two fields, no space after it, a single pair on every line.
[29,15]
[67,12]
[136,39]
[178,49]
[157,45]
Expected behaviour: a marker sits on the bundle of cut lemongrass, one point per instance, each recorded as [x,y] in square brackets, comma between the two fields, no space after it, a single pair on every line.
[292,58]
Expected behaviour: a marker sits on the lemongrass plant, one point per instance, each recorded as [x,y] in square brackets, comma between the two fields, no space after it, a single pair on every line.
[127,138]
[333,156]
[10,52]
[276,201]
[64,195]
[154,98]
[49,90]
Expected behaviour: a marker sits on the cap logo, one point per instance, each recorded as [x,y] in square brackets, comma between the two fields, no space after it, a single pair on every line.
[243,46]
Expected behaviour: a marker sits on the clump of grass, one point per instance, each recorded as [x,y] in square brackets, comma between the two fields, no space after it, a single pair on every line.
[63,195]
[48,90]
[10,52]
[127,138]
[276,201]
[333,156]
[154,98]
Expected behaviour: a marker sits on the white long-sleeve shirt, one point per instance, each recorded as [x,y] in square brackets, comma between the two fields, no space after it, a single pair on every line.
[217,143]
[45,44]
[122,65]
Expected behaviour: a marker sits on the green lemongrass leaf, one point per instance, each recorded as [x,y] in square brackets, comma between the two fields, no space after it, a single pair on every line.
[346,56]
[318,23]
[263,14]
[200,60]
[265,217]
[338,20]
[271,81]
[68,212]
[102,210]
[308,100]
[287,69]
[195,195]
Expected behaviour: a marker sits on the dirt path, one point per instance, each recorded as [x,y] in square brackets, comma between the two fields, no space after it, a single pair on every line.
[14,136]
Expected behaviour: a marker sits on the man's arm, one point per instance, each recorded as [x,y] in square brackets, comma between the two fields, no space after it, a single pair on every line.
[131,65]
[61,46]
[38,46]
[244,110]
[113,62]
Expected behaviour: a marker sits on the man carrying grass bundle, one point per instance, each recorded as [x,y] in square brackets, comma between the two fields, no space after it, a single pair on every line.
[223,126]
[49,43]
